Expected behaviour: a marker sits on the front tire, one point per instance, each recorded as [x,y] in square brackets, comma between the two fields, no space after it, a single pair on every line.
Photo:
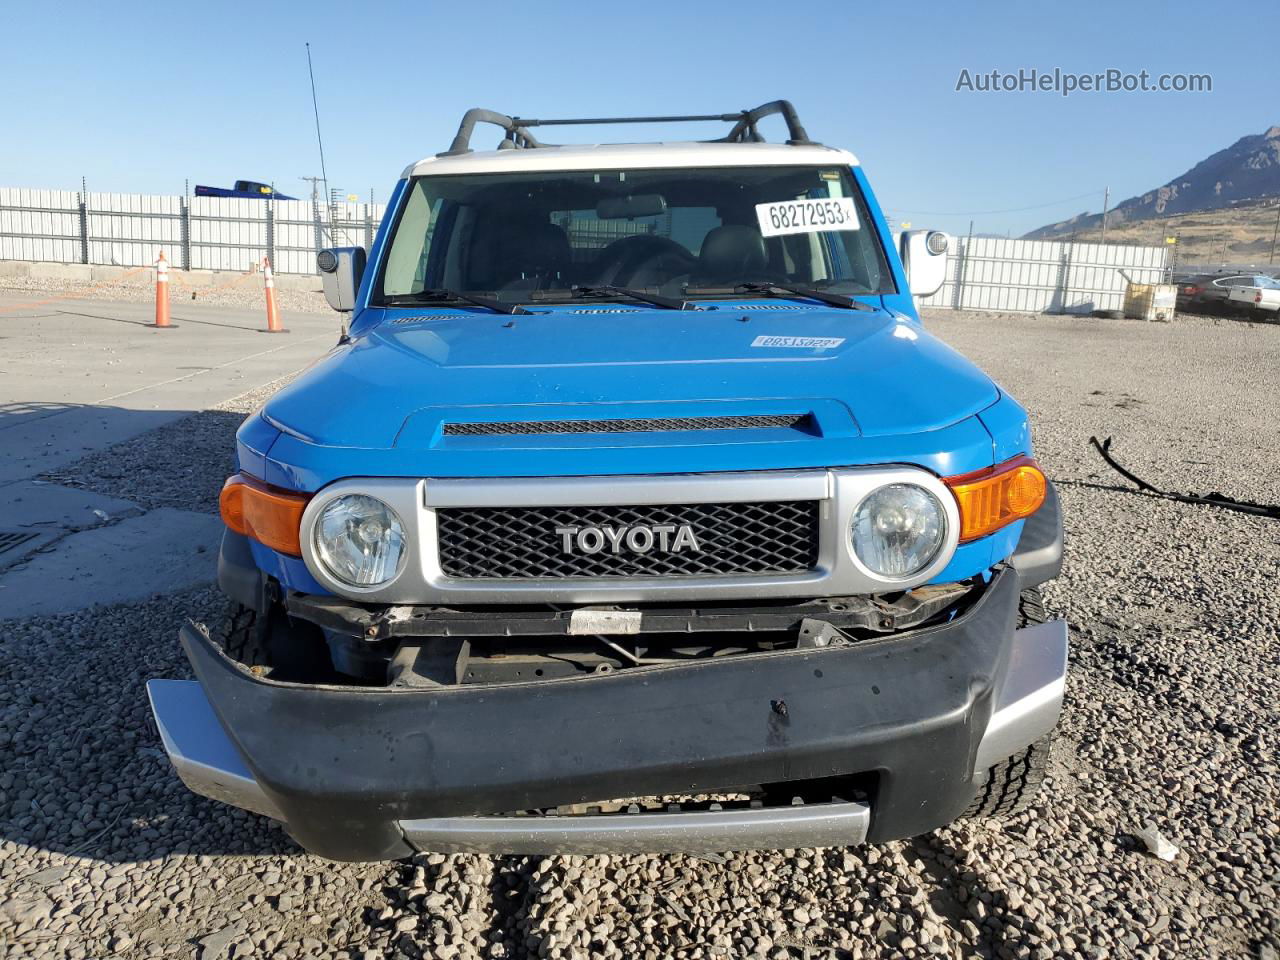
[1011,785]
[242,634]
[272,645]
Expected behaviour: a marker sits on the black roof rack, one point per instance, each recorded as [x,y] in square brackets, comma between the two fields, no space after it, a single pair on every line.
[518,136]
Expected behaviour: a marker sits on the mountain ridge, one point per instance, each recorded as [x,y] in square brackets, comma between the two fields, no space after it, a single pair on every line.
[1246,171]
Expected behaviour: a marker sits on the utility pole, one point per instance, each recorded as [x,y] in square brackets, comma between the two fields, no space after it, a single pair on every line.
[83,204]
[315,210]
[962,269]
[1274,233]
[1106,202]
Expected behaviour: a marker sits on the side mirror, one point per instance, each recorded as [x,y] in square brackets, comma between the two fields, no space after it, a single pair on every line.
[924,257]
[341,269]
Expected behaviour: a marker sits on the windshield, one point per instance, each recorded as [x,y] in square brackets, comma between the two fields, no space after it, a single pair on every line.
[536,236]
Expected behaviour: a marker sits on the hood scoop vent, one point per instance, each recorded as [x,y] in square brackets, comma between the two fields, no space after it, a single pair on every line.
[527,428]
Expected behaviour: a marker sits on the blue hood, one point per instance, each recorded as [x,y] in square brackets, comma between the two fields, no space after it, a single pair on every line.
[857,374]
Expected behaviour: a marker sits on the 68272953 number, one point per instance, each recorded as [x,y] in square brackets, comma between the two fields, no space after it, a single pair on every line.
[807,216]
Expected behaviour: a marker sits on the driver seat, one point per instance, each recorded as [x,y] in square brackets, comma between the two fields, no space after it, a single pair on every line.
[526,254]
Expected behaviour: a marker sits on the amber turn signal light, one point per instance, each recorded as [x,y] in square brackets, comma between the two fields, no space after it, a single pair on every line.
[272,517]
[997,496]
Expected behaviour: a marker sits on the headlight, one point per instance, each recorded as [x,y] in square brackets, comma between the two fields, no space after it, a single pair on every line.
[898,530]
[360,540]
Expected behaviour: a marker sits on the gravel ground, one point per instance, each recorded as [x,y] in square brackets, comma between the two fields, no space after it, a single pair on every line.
[243,290]
[1170,720]
[182,464]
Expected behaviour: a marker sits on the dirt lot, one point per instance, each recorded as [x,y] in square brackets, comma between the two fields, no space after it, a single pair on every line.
[1171,719]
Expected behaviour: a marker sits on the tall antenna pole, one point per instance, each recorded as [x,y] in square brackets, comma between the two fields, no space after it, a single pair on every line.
[315,106]
[1106,201]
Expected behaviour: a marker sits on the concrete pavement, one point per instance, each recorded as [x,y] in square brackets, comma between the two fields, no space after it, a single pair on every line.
[77,376]
[65,365]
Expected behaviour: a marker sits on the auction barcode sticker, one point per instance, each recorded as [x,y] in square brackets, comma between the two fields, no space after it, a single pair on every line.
[804,343]
[807,216]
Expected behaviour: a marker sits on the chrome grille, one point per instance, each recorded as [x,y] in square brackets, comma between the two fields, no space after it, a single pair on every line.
[486,543]
[536,427]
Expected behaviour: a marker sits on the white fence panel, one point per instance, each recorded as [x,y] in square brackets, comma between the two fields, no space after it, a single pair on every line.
[1039,276]
[227,233]
[1098,274]
[203,233]
[295,236]
[39,225]
[224,233]
[131,229]
[297,231]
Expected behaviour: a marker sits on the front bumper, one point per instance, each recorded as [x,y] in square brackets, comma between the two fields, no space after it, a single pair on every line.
[374,773]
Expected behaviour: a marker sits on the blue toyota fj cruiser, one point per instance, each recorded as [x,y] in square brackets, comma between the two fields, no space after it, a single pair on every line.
[635,510]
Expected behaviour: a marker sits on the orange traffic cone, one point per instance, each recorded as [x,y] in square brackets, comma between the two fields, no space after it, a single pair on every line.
[162,295]
[273,315]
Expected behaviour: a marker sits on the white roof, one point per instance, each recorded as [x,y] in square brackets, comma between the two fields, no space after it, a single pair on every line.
[633,156]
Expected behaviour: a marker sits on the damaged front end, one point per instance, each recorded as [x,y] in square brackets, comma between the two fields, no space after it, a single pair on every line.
[615,723]
[646,729]
[385,644]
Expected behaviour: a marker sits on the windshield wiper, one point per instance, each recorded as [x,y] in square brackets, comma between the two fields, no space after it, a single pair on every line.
[770,288]
[667,303]
[440,293]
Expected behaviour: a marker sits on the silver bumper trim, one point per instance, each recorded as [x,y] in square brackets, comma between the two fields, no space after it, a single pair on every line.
[1028,702]
[201,752]
[702,831]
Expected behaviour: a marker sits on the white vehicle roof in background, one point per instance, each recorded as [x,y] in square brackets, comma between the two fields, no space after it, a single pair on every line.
[520,151]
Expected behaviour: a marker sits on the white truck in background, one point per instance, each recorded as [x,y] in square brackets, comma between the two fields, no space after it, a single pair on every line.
[1262,297]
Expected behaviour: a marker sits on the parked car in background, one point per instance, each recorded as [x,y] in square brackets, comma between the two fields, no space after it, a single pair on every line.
[246,189]
[1262,297]
[1211,292]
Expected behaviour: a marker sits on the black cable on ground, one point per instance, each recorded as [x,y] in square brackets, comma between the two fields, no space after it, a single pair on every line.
[1271,511]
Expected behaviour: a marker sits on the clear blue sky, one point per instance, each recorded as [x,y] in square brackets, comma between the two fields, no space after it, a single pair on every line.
[138,99]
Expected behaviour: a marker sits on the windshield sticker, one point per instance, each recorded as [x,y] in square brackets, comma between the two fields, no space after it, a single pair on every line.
[807,216]
[803,343]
